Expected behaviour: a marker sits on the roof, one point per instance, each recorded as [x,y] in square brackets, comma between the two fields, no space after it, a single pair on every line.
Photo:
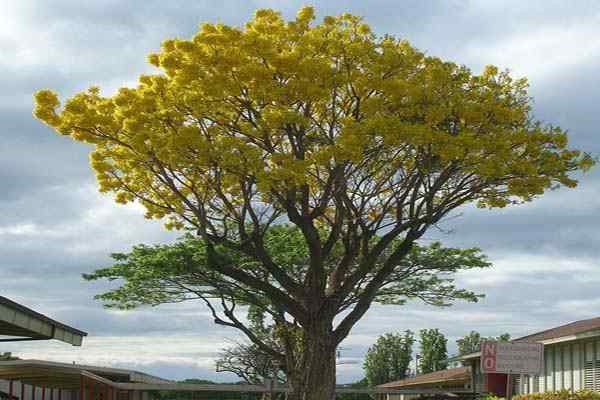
[573,328]
[66,376]
[20,321]
[440,377]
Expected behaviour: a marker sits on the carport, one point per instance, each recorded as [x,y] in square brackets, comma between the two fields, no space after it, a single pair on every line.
[45,380]
[19,323]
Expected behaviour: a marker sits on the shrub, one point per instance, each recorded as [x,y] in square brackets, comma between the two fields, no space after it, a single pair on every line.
[560,395]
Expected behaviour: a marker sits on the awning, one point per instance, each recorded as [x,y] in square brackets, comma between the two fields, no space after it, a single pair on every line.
[22,323]
[68,376]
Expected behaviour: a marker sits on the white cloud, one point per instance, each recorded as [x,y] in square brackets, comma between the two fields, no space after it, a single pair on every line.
[140,350]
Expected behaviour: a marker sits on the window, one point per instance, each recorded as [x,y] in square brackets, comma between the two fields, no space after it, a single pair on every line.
[591,375]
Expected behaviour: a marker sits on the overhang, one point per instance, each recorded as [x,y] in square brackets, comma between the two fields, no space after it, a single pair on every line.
[22,323]
[68,376]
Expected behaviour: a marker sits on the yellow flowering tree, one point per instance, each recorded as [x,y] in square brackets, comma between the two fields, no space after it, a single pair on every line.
[361,142]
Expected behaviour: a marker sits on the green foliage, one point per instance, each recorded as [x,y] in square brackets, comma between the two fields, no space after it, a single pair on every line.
[388,359]
[489,396]
[171,273]
[361,384]
[471,342]
[561,395]
[433,351]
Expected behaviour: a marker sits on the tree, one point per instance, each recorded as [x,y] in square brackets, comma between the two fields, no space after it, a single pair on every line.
[247,360]
[389,358]
[471,343]
[433,351]
[235,134]
[171,273]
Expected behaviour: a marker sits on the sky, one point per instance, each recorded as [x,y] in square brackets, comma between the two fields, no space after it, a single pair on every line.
[54,225]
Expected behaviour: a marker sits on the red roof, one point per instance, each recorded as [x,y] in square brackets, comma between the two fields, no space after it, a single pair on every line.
[570,329]
[445,375]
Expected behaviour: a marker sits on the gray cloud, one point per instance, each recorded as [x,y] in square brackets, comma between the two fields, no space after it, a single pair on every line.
[54,225]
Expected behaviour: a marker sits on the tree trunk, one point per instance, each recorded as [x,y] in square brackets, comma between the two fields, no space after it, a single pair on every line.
[314,374]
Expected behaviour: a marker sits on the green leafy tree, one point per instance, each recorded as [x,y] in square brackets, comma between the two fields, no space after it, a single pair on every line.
[233,134]
[389,358]
[471,343]
[433,351]
[171,273]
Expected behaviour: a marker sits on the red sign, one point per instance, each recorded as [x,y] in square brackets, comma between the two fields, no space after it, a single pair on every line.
[488,356]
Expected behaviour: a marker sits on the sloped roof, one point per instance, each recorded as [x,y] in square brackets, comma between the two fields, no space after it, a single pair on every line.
[446,375]
[573,328]
[18,320]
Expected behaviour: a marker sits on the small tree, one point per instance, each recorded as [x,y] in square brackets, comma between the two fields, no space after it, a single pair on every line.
[433,351]
[249,361]
[389,358]
[361,142]
[471,343]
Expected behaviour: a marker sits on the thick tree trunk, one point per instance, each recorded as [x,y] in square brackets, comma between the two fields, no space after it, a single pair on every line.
[314,375]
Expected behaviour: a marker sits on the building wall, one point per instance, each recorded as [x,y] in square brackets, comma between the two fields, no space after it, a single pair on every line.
[571,366]
[28,394]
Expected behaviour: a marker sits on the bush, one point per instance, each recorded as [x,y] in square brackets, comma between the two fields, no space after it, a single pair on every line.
[561,395]
[489,396]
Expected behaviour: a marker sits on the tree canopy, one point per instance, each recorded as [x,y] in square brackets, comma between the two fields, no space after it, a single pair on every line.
[234,133]
[432,351]
[389,358]
[471,342]
[171,273]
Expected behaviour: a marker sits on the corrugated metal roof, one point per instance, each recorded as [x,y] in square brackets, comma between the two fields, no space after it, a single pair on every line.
[446,375]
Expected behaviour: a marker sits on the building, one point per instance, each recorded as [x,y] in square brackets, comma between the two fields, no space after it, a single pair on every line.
[445,383]
[19,323]
[45,380]
[571,362]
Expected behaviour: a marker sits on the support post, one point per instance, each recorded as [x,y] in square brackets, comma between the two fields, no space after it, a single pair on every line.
[90,392]
[32,392]
[43,392]
[10,390]
[81,387]
[22,391]
[508,387]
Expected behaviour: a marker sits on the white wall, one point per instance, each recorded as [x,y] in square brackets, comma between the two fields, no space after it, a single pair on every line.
[564,367]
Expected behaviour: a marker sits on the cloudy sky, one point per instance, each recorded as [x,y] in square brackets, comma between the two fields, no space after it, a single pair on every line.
[54,225]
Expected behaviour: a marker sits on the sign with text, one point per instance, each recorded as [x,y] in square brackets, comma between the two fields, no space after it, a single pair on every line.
[514,358]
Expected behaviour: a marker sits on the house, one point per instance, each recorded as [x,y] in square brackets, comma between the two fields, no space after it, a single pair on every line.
[571,362]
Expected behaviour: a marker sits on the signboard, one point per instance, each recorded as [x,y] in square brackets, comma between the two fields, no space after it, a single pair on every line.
[512,358]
